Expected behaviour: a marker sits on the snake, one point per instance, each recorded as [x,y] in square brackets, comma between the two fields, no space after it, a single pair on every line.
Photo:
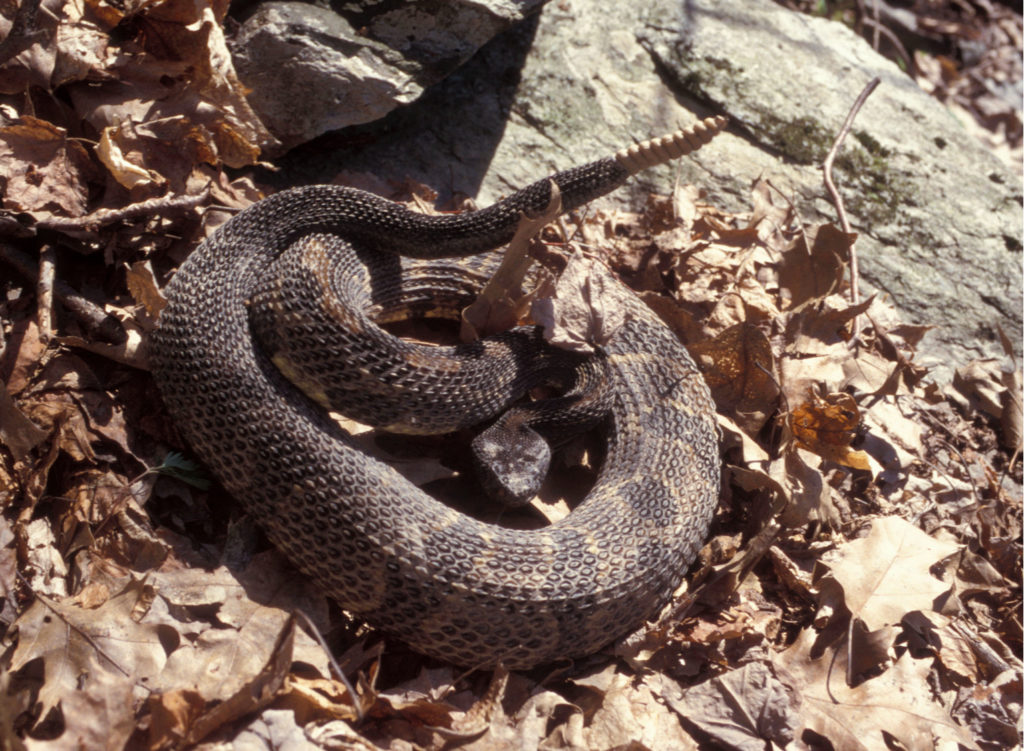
[470,592]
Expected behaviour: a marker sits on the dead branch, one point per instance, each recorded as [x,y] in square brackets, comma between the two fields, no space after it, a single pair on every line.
[88,313]
[163,206]
[834,193]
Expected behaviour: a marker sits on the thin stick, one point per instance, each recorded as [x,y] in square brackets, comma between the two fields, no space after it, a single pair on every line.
[894,40]
[91,315]
[314,632]
[44,290]
[162,205]
[875,41]
[831,186]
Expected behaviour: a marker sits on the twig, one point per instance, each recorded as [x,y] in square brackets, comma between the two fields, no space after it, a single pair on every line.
[162,205]
[894,40]
[92,316]
[314,632]
[44,291]
[834,193]
[875,41]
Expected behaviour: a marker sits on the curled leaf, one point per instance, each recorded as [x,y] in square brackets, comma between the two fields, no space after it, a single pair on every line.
[827,427]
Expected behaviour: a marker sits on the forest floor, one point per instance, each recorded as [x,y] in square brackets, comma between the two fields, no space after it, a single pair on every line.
[861,587]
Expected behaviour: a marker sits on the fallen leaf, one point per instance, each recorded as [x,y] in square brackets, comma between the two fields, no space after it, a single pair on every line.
[113,154]
[18,433]
[70,639]
[743,708]
[585,308]
[813,274]
[100,715]
[46,172]
[622,710]
[143,287]
[738,366]
[898,704]
[885,575]
[827,427]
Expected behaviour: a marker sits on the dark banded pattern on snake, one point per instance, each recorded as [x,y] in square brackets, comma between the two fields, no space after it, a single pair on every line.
[450,586]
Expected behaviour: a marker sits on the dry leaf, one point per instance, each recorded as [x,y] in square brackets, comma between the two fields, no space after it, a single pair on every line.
[882,577]
[828,427]
[812,275]
[112,153]
[585,309]
[807,495]
[18,433]
[45,171]
[898,704]
[738,366]
[69,639]
[623,710]
[142,284]
[744,708]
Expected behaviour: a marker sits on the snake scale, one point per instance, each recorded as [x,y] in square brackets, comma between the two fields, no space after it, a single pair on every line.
[450,586]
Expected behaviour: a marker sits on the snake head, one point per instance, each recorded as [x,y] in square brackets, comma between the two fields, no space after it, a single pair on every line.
[512,460]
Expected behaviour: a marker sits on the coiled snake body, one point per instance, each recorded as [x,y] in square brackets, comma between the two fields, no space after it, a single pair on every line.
[450,586]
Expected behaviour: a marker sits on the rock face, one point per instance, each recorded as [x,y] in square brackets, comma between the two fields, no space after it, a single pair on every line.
[939,217]
[313,69]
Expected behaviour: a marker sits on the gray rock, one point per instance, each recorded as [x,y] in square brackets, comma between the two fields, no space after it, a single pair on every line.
[312,69]
[939,217]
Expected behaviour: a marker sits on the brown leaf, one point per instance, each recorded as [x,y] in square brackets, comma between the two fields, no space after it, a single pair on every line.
[898,704]
[45,569]
[809,275]
[179,80]
[70,638]
[100,715]
[935,632]
[256,692]
[34,65]
[981,382]
[744,708]
[623,711]
[171,714]
[22,356]
[882,577]
[46,172]
[815,352]
[807,494]
[18,433]
[251,611]
[771,217]
[585,309]
[315,698]
[828,427]
[115,151]
[143,287]
[424,698]
[738,365]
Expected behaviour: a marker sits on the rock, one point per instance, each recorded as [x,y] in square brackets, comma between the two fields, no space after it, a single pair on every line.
[939,217]
[312,70]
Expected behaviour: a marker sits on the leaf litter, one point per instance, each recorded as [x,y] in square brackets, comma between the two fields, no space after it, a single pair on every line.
[861,588]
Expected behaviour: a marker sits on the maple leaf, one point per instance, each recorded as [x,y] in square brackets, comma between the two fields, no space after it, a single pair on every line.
[887,574]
